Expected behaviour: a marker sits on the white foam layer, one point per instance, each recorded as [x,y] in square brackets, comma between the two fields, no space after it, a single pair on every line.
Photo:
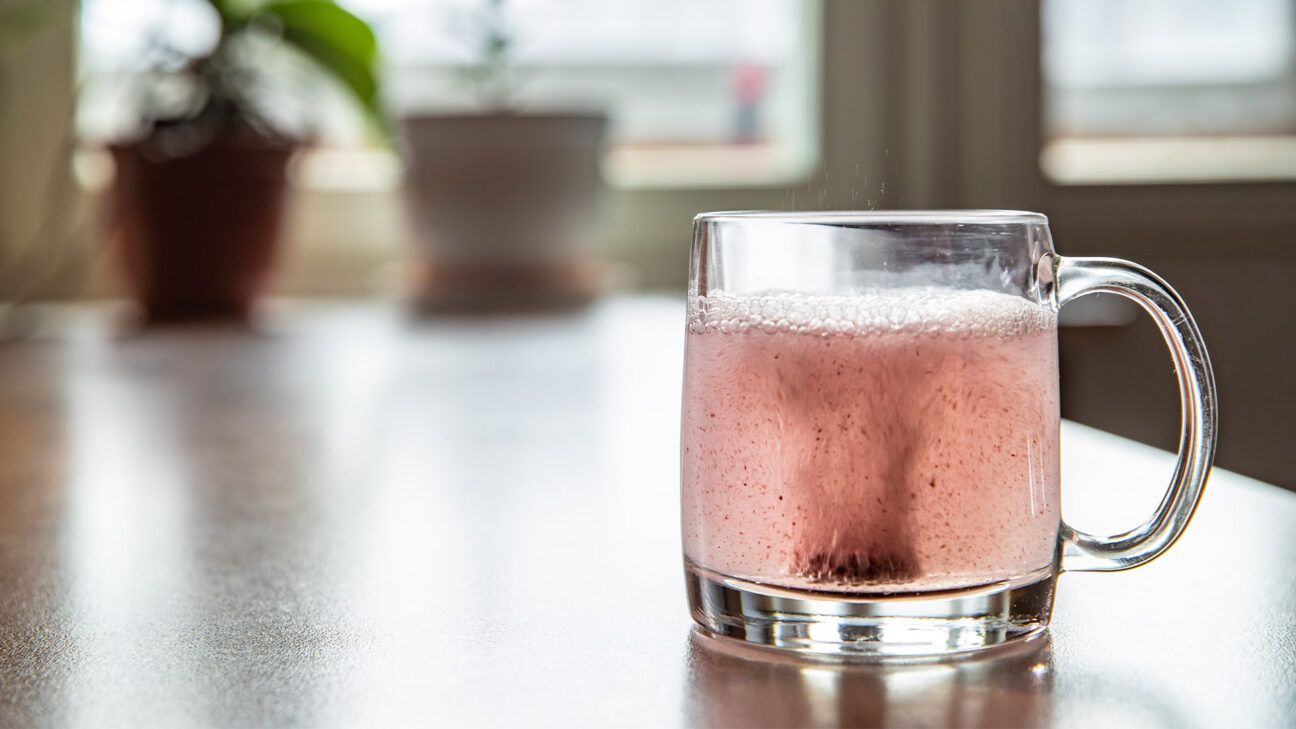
[919,310]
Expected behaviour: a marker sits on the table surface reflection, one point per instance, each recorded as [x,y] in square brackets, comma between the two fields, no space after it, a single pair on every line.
[347,518]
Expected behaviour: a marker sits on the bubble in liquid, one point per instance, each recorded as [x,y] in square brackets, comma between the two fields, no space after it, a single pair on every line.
[923,310]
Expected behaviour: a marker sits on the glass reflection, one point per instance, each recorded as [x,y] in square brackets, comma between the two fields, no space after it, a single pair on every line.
[734,685]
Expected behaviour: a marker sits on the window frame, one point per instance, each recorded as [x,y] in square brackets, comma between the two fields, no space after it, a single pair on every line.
[1008,167]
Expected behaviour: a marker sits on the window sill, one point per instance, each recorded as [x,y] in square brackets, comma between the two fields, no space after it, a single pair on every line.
[625,168]
[341,170]
[1191,160]
[704,166]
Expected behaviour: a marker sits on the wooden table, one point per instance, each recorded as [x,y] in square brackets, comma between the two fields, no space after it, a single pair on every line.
[350,519]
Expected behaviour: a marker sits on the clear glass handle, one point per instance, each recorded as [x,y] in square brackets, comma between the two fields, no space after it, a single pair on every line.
[1083,552]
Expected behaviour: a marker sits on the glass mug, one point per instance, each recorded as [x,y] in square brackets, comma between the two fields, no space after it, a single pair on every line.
[870,432]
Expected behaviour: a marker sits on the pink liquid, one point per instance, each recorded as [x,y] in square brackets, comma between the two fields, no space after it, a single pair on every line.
[897,442]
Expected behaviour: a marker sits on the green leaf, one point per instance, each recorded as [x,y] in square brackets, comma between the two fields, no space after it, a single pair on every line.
[221,7]
[339,42]
[233,13]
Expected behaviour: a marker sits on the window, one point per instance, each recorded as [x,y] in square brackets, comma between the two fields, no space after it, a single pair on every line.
[1169,90]
[715,92]
[698,92]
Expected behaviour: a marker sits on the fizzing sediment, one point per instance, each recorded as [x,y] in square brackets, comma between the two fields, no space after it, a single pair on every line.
[896,442]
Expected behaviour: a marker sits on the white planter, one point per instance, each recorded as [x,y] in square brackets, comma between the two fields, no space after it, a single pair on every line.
[504,208]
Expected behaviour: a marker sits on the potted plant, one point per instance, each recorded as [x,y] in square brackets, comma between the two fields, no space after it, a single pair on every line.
[199,193]
[503,201]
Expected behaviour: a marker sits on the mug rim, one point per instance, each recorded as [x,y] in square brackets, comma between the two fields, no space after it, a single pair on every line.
[878,217]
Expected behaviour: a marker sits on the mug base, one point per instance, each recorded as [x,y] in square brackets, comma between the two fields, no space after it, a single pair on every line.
[879,626]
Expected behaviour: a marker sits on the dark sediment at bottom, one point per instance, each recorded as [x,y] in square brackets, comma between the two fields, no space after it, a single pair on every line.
[855,566]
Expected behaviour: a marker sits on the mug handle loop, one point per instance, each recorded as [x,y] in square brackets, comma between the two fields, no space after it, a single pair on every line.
[1083,552]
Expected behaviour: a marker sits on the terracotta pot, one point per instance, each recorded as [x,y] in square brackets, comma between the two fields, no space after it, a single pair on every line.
[504,208]
[198,234]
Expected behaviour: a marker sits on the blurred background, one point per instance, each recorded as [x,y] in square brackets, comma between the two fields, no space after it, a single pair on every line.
[435,151]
